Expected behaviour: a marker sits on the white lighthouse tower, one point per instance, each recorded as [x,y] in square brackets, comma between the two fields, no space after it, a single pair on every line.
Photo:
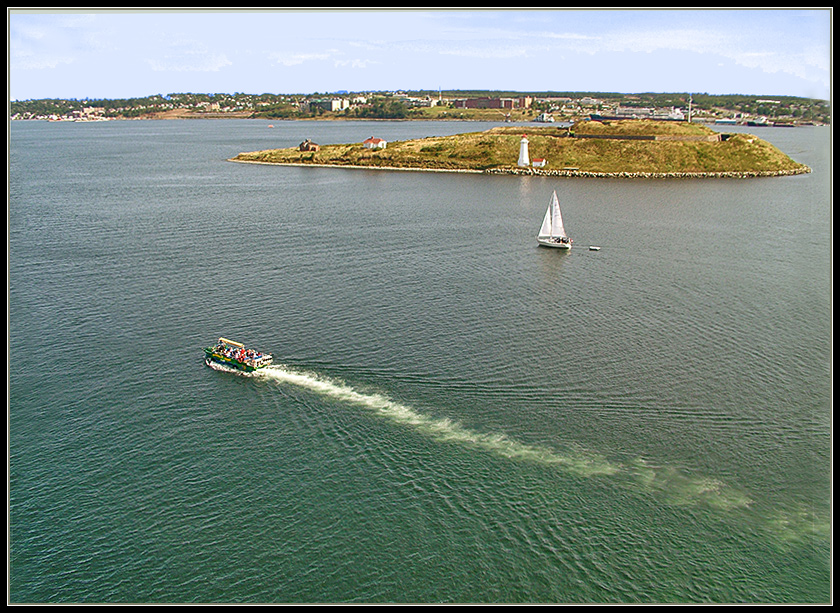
[523,151]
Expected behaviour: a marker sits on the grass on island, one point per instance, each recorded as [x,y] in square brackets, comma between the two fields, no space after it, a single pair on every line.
[611,147]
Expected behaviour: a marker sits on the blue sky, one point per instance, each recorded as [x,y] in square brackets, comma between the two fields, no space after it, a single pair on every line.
[121,54]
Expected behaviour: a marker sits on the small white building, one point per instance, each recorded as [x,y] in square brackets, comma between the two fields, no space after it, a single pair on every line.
[538,162]
[375,143]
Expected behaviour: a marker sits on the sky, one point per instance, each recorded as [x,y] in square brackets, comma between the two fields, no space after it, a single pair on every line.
[125,54]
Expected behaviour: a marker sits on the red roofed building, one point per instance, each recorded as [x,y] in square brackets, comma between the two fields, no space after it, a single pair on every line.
[375,143]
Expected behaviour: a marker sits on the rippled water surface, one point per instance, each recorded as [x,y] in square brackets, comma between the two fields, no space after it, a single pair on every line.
[455,415]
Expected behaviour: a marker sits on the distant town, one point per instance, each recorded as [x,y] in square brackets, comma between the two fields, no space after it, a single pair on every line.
[545,107]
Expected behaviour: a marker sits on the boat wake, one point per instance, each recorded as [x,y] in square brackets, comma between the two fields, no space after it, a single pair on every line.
[444,430]
[677,487]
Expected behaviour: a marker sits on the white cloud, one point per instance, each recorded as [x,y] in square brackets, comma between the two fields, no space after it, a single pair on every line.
[489,52]
[354,63]
[28,60]
[295,59]
[186,55]
[491,49]
[190,62]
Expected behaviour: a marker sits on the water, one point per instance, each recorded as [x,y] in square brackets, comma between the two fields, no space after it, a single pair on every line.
[455,414]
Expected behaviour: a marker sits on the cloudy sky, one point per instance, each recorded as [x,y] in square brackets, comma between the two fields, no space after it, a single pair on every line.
[122,54]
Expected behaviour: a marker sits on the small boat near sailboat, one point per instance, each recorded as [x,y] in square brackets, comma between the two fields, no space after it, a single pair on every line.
[552,233]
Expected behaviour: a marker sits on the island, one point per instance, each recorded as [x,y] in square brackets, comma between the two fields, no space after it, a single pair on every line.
[621,148]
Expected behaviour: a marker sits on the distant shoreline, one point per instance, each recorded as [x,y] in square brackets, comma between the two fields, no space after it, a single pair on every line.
[242,116]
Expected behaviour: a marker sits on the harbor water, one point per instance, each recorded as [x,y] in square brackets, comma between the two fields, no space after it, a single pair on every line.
[454,414]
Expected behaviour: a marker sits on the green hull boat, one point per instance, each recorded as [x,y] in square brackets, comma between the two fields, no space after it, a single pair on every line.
[235,355]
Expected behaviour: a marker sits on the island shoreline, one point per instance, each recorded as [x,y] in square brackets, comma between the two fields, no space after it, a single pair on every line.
[566,174]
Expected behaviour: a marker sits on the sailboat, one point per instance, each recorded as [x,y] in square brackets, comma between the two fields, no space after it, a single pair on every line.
[552,233]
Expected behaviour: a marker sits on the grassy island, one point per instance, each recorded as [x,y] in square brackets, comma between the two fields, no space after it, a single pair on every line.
[590,148]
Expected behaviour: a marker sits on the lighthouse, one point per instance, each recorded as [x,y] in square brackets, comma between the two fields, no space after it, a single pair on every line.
[523,151]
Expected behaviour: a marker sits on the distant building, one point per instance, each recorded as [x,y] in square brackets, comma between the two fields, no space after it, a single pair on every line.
[588,101]
[494,103]
[308,145]
[538,162]
[331,105]
[633,112]
[484,103]
[375,143]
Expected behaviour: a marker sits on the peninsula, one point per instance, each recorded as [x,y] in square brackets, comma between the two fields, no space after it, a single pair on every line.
[627,149]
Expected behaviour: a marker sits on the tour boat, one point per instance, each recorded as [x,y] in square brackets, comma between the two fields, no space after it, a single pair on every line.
[235,355]
[552,233]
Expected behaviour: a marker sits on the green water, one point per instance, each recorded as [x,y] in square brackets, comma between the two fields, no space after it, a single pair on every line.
[455,415]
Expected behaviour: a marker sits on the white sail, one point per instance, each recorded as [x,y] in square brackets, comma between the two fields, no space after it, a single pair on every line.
[552,225]
[545,229]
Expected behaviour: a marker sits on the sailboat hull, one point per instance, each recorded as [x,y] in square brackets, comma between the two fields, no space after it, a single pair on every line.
[553,243]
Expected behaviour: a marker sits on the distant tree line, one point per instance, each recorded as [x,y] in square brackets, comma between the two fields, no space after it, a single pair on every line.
[382,109]
[386,105]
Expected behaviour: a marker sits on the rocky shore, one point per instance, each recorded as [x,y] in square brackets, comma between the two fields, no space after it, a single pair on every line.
[566,173]
[647,175]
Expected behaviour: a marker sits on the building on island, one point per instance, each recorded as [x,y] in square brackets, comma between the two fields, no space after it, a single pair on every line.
[308,145]
[375,143]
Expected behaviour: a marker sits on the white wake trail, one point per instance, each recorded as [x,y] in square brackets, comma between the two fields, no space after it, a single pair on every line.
[678,487]
[440,429]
